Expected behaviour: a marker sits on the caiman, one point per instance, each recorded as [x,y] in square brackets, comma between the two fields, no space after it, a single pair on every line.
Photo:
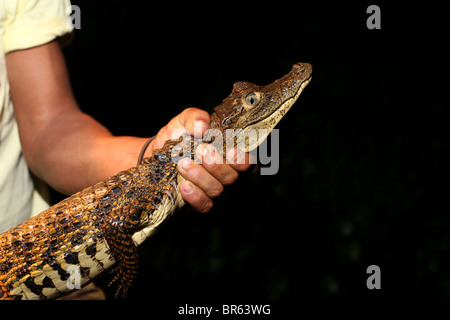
[100,228]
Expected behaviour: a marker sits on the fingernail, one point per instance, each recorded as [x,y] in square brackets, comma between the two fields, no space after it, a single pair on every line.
[239,156]
[201,153]
[187,187]
[185,163]
[199,128]
[209,150]
[210,156]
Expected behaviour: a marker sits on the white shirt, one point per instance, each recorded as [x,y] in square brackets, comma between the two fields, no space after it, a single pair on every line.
[23,24]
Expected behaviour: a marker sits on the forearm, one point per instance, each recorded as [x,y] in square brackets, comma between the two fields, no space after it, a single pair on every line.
[65,147]
[76,151]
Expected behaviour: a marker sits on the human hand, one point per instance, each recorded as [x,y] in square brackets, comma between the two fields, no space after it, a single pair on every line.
[205,181]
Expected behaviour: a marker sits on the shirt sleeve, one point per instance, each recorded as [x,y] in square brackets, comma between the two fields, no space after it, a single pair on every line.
[30,23]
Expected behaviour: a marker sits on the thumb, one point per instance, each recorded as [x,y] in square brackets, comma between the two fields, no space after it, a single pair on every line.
[196,121]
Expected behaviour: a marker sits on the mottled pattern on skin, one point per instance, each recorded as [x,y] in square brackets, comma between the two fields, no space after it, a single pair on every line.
[99,228]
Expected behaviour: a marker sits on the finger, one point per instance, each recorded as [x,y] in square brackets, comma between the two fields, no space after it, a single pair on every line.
[168,132]
[200,177]
[239,160]
[196,121]
[195,197]
[215,164]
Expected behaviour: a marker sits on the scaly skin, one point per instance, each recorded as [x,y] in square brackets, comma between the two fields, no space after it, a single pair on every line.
[100,227]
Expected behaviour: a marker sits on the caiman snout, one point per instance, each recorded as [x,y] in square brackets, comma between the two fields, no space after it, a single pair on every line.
[302,69]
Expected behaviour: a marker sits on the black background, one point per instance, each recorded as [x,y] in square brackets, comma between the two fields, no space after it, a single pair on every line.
[362,178]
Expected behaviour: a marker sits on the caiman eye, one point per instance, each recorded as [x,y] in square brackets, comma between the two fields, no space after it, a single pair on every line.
[251,99]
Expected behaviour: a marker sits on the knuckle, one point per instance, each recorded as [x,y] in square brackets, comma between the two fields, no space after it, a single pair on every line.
[190,109]
[207,206]
[216,191]
[189,170]
[230,178]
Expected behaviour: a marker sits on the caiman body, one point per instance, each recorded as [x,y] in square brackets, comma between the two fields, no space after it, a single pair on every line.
[99,228]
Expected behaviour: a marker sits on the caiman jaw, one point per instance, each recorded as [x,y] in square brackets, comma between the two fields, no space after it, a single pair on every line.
[252,112]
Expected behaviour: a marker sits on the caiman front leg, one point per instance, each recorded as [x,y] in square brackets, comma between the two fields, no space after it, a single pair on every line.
[4,293]
[124,252]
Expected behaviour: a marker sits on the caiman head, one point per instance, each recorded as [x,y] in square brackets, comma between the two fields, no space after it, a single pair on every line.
[251,111]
